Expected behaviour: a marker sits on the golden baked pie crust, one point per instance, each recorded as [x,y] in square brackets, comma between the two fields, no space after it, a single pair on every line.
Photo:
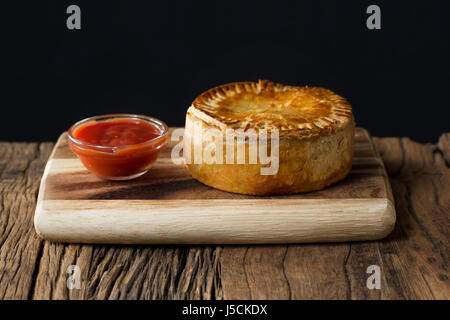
[299,111]
[316,133]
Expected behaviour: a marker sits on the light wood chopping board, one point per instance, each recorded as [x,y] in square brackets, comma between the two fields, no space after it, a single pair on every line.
[167,206]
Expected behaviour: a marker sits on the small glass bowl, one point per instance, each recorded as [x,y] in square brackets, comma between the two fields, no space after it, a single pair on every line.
[119,162]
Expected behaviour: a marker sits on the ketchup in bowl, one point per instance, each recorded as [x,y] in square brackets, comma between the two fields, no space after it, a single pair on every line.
[118,146]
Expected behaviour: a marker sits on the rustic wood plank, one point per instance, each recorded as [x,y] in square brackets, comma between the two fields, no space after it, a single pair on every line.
[415,256]
[21,166]
[414,259]
[168,206]
[130,272]
[315,271]
[233,273]
[362,255]
[444,147]
[30,267]
[69,180]
[260,261]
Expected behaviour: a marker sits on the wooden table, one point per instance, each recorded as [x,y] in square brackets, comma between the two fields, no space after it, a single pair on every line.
[413,259]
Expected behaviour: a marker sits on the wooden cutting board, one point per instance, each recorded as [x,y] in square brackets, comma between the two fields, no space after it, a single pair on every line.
[167,206]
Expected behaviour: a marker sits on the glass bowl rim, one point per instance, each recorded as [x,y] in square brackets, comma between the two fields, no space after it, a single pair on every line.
[160,125]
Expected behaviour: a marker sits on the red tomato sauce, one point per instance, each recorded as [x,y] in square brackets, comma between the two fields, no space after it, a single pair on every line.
[119,132]
[118,149]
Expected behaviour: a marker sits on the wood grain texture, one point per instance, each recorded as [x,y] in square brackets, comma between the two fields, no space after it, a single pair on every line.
[67,179]
[413,259]
[416,254]
[129,272]
[167,206]
[444,147]
[21,166]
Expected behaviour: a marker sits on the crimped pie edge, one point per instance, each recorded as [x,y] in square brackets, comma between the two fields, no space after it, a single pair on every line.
[340,114]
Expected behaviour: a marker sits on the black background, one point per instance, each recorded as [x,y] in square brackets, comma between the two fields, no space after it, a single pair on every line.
[154,58]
